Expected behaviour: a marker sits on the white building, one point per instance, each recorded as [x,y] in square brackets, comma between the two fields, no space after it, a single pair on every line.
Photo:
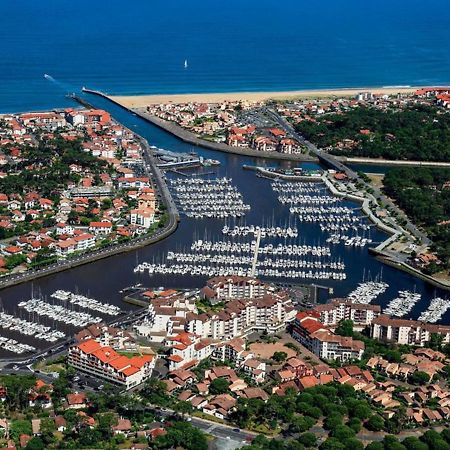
[410,332]
[64,228]
[187,348]
[97,228]
[79,243]
[339,309]
[220,289]
[314,335]
[104,362]
[144,217]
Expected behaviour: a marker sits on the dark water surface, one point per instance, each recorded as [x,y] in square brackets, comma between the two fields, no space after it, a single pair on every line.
[104,279]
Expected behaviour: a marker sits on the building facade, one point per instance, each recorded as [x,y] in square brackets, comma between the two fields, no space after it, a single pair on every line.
[104,362]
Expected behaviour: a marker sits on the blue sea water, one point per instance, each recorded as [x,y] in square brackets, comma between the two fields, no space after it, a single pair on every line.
[138,47]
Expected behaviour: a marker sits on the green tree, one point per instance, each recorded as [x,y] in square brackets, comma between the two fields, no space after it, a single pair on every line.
[355,424]
[445,434]
[434,440]
[345,328]
[183,434]
[332,444]
[47,430]
[183,408]
[375,423]
[219,386]
[361,411]
[332,421]
[342,432]
[17,388]
[308,439]
[299,424]
[412,443]
[279,356]
[420,378]
[19,427]
[353,444]
[393,356]
[375,446]
[391,443]
[35,443]
[435,341]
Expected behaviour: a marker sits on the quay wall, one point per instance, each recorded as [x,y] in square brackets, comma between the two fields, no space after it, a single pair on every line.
[270,174]
[386,259]
[394,234]
[190,138]
[365,207]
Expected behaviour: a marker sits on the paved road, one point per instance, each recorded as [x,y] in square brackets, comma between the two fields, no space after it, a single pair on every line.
[215,429]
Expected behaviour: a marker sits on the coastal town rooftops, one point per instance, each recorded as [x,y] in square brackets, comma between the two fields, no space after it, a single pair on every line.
[339,301]
[107,355]
[427,90]
[326,336]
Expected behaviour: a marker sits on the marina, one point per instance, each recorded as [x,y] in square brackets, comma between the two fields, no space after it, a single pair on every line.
[438,307]
[368,291]
[313,204]
[86,302]
[104,279]
[403,304]
[251,258]
[212,198]
[37,330]
[11,345]
[289,232]
[58,313]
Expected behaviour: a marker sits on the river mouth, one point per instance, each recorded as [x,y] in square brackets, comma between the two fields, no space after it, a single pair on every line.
[104,279]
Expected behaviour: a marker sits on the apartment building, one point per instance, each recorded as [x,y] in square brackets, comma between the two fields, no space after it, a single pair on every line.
[220,289]
[187,349]
[403,331]
[239,317]
[166,317]
[339,309]
[314,335]
[142,217]
[79,243]
[113,337]
[104,362]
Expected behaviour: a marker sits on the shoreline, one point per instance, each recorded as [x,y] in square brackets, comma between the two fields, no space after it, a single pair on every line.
[137,101]
[377,253]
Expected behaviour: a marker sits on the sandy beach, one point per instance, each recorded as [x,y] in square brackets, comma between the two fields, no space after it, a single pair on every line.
[138,101]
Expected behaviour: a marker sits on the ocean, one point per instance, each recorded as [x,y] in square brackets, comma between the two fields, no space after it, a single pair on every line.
[238,45]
